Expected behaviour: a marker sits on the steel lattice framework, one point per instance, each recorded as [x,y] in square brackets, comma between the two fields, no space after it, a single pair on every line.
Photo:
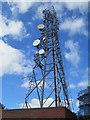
[48,77]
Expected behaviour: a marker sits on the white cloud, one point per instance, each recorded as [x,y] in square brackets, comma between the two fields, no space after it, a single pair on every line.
[25,84]
[13,61]
[11,27]
[72,86]
[74,26]
[82,7]
[83,83]
[59,7]
[23,5]
[73,56]
[20,6]
[34,103]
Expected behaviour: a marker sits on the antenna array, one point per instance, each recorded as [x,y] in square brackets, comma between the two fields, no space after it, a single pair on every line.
[48,77]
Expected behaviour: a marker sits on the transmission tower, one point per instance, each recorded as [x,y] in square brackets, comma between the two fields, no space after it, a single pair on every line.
[48,78]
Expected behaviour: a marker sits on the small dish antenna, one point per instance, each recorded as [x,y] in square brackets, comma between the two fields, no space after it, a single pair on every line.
[41,27]
[36,43]
[41,52]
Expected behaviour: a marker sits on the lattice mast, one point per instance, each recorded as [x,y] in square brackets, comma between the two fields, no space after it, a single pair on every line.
[48,78]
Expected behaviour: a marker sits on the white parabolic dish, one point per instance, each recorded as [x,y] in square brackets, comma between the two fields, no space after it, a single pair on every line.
[41,51]
[41,27]
[36,42]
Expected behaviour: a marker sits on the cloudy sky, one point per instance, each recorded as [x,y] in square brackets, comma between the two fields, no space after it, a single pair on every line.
[18,30]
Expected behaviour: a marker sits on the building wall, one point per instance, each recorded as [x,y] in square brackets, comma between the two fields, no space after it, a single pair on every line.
[61,113]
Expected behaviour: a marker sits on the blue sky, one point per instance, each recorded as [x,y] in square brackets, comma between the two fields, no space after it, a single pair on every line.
[18,30]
